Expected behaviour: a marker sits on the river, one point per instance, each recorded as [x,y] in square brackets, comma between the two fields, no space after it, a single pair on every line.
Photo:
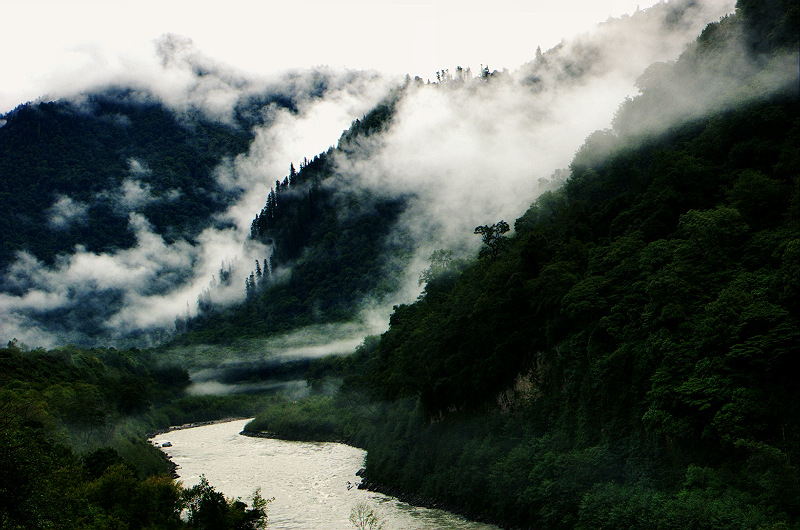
[313,484]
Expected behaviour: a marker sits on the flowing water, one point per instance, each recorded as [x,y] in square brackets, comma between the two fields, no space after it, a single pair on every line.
[313,484]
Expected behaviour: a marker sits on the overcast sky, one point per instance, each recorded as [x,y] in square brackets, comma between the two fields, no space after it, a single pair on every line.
[48,44]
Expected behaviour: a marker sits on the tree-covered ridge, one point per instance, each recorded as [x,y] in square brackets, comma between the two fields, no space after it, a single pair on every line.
[86,391]
[624,359]
[334,247]
[72,173]
[733,173]
[295,206]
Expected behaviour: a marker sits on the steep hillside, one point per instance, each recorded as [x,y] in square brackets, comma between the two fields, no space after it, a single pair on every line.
[623,359]
[634,337]
[351,228]
[127,210]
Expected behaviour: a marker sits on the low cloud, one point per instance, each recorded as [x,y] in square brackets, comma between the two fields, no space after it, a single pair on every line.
[475,151]
[132,296]
[138,168]
[66,212]
[293,389]
[135,195]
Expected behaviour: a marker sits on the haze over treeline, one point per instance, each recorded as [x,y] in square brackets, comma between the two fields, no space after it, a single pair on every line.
[469,151]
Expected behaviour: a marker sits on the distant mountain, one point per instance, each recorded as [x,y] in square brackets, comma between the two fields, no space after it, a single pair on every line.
[334,248]
[116,196]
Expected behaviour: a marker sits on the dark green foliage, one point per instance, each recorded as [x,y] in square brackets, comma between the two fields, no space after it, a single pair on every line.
[98,461]
[57,404]
[626,361]
[91,393]
[208,509]
[192,409]
[375,121]
[493,238]
[43,483]
[771,24]
[293,208]
[313,419]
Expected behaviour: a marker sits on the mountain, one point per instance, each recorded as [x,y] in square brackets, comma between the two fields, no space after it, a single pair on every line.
[623,358]
[75,172]
[333,248]
[350,231]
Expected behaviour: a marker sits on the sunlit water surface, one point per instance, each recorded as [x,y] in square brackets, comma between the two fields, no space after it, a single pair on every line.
[309,481]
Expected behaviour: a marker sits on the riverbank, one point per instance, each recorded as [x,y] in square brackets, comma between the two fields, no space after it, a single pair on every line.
[310,439]
[376,487]
[426,502]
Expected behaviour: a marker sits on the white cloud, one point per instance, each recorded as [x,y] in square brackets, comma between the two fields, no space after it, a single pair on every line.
[134,194]
[138,168]
[105,296]
[476,153]
[65,212]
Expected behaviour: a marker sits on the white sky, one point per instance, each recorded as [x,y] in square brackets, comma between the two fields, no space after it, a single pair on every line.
[47,44]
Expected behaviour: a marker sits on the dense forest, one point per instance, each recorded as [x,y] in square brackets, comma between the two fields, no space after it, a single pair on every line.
[623,359]
[141,183]
[636,358]
[70,160]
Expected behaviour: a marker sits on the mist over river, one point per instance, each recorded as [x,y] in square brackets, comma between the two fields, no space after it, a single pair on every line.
[313,484]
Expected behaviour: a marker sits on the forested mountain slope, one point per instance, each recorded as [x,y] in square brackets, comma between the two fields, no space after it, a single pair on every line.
[334,248]
[624,358]
[126,209]
[348,227]
[634,338]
